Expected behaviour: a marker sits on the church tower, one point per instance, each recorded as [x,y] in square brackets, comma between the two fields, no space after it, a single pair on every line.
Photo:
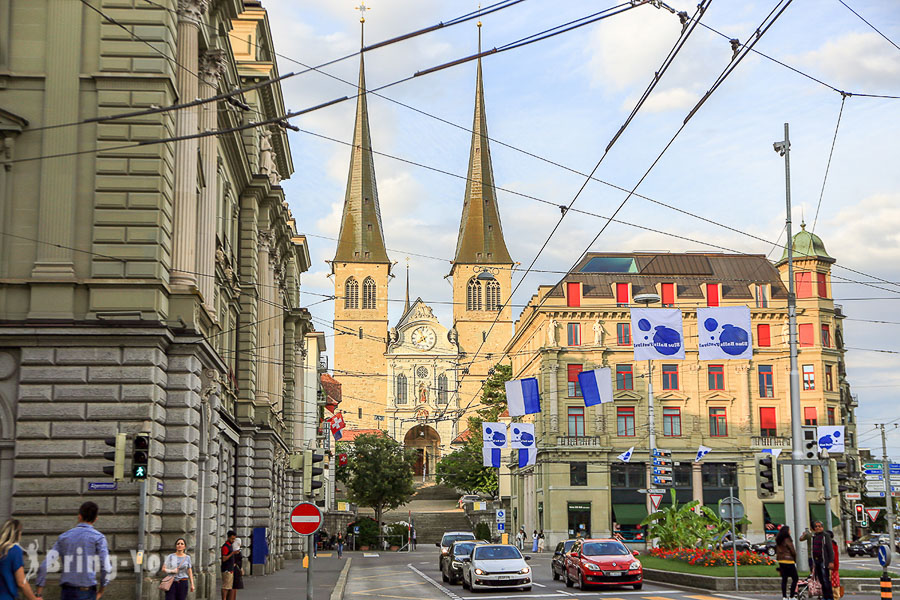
[482,267]
[361,270]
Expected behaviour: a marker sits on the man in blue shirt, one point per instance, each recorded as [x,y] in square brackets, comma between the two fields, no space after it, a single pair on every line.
[81,552]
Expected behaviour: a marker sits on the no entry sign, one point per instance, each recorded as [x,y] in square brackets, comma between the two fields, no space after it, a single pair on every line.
[306,518]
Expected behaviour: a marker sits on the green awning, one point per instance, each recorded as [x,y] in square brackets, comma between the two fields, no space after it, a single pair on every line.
[629,514]
[775,512]
[817,513]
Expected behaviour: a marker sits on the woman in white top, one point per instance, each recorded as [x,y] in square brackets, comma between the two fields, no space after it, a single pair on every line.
[178,564]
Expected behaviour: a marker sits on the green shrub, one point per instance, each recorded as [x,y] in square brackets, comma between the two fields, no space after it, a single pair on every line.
[368,532]
[397,534]
[483,531]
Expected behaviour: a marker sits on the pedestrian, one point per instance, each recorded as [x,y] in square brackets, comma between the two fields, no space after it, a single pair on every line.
[178,565]
[541,541]
[534,541]
[238,568]
[414,539]
[340,545]
[12,565]
[823,557]
[82,551]
[228,554]
[836,588]
[786,555]
[520,538]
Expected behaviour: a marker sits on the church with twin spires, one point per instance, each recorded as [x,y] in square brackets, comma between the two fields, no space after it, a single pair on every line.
[417,379]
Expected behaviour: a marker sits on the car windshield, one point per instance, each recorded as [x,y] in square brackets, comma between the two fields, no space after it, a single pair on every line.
[604,549]
[450,538]
[568,545]
[463,549]
[496,552]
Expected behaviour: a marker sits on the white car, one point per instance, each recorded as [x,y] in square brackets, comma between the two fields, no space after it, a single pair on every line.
[493,566]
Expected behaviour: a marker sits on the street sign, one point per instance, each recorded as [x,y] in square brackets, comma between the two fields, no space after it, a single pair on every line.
[501,526]
[873,477]
[879,486]
[659,452]
[884,555]
[731,507]
[306,518]
[651,491]
[661,480]
[655,499]
[662,470]
[873,465]
[874,471]
[895,494]
[873,513]
[95,486]
[852,495]
[356,530]
[501,514]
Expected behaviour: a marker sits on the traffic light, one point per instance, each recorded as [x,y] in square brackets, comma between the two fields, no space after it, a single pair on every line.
[810,443]
[117,469]
[312,475]
[765,475]
[843,475]
[140,456]
[859,513]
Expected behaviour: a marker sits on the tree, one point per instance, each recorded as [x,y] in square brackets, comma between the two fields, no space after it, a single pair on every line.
[378,474]
[682,526]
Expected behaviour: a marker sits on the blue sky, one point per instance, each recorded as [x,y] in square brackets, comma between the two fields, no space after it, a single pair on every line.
[564,98]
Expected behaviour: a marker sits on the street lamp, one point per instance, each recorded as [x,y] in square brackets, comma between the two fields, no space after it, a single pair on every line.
[647,300]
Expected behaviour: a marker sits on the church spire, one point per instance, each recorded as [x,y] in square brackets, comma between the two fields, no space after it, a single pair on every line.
[361,238]
[480,234]
[406,305]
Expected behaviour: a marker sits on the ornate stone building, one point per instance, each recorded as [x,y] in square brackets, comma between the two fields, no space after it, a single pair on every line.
[149,278]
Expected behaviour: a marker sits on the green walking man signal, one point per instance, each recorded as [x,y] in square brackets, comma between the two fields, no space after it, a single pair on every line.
[140,456]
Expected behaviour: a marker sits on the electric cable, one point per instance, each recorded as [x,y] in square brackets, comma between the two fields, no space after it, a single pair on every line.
[828,165]
[875,29]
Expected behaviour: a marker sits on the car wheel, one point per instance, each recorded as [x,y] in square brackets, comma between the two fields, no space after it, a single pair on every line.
[638,586]
[555,575]
[465,583]
[770,551]
[444,577]
[569,582]
[527,588]
[580,580]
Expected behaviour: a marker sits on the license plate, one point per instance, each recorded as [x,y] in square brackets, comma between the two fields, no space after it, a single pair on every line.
[506,577]
[614,573]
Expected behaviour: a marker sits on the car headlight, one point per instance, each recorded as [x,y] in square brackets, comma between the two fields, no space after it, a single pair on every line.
[457,564]
[525,570]
[635,565]
[479,572]
[591,566]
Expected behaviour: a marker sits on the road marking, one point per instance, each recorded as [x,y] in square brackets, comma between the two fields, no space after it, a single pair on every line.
[655,598]
[701,597]
[449,593]
[538,584]
[390,587]
[324,555]
[735,597]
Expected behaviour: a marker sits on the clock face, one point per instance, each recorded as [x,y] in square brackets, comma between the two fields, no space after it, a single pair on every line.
[423,338]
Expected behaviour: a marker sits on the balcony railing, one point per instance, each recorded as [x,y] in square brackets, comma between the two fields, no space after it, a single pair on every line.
[766,441]
[323,363]
[578,440]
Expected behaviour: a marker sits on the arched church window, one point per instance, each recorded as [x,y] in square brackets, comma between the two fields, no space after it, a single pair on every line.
[368,301]
[492,296]
[351,293]
[473,295]
[401,388]
[442,389]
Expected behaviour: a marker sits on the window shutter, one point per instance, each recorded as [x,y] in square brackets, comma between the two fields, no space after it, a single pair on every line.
[806,334]
[712,294]
[767,418]
[803,283]
[823,288]
[763,338]
[622,293]
[668,293]
[809,414]
[573,294]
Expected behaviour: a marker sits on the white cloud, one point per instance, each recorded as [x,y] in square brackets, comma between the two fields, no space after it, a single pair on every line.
[863,59]
[661,101]
[868,234]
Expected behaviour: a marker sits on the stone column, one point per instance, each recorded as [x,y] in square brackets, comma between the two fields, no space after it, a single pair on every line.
[264,312]
[554,394]
[184,237]
[697,481]
[212,67]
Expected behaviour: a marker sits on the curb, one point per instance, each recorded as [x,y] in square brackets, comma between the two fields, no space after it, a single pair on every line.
[338,592]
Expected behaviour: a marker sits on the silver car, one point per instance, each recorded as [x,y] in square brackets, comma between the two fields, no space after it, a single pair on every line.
[493,566]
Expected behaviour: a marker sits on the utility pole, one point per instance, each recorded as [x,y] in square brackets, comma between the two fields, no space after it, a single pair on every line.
[888,494]
[797,473]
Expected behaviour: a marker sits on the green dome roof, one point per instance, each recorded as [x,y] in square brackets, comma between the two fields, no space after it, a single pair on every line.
[807,245]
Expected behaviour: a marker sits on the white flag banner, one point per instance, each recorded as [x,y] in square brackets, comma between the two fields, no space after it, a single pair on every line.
[494,435]
[831,438]
[527,457]
[521,435]
[775,452]
[657,333]
[492,457]
[701,452]
[724,333]
[626,456]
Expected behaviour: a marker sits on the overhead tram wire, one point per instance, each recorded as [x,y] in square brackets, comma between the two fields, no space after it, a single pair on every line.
[828,164]
[875,29]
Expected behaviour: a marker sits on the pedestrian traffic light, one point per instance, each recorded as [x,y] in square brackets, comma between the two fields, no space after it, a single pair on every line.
[765,476]
[859,513]
[843,475]
[312,475]
[117,469]
[140,456]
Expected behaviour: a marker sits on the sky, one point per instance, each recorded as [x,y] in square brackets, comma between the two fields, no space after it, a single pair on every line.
[561,101]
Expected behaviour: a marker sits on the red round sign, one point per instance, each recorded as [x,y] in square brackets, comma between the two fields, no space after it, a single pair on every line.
[306,518]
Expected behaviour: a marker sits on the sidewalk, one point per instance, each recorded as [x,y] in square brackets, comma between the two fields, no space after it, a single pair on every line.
[290,582]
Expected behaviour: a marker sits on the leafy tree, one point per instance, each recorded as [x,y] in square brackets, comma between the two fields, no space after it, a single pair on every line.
[378,473]
[483,531]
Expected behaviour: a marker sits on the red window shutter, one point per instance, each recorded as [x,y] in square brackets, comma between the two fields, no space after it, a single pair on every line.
[573,294]
[767,418]
[668,293]
[806,334]
[712,294]
[823,288]
[573,371]
[803,283]
[763,339]
[622,293]
[809,414]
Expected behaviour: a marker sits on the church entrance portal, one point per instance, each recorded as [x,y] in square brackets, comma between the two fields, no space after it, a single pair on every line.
[427,444]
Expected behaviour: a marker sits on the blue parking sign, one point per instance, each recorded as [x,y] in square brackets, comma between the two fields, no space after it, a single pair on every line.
[501,526]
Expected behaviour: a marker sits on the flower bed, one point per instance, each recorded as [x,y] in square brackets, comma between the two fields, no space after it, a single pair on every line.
[711,558]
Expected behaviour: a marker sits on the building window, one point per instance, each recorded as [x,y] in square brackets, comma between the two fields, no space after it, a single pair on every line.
[628,476]
[763,337]
[671,422]
[805,331]
[359,412]
[623,334]
[718,422]
[821,285]
[573,294]
[351,293]
[762,300]
[668,294]
[401,388]
[716,376]
[803,284]
[492,296]
[576,421]
[831,413]
[829,382]
[625,421]
[624,377]
[809,378]
[577,473]
[573,389]
[573,332]
[670,377]
[473,295]
[767,425]
[712,294]
[368,299]
[826,336]
[766,381]
[622,295]
[442,389]
[719,475]
[809,415]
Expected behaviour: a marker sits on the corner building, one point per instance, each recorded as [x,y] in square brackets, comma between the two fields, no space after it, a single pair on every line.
[736,407]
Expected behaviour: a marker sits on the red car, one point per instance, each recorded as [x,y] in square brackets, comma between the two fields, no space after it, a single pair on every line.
[603,562]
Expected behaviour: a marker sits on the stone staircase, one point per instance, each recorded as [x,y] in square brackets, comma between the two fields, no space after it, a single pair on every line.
[434,510]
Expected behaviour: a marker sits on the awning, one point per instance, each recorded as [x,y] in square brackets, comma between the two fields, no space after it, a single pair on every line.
[629,514]
[775,512]
[817,513]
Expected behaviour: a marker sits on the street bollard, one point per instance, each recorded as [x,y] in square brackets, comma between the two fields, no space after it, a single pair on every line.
[886,593]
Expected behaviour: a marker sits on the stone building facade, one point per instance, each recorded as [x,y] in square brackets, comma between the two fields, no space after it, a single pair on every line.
[150,283]
[736,407]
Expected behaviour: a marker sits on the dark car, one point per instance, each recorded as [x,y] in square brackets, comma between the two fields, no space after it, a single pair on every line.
[558,562]
[447,540]
[452,562]
[868,546]
[767,547]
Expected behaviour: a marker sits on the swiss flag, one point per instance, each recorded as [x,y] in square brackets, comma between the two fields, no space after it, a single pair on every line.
[342,459]
[337,423]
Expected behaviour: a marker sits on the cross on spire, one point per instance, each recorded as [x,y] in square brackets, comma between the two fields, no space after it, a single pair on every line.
[362,8]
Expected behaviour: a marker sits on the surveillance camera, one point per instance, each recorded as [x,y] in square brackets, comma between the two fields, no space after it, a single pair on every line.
[779,147]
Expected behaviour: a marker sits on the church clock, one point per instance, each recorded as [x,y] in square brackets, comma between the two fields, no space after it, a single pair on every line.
[423,338]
